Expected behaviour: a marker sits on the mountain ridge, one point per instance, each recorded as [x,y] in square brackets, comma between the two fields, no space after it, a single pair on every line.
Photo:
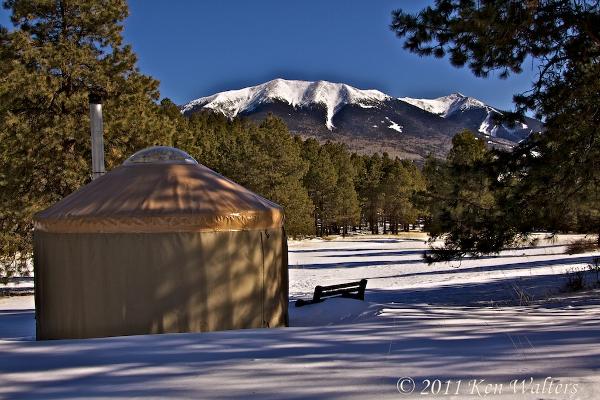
[368,120]
[296,93]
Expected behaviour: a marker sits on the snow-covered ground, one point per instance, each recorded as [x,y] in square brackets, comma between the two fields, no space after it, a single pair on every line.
[397,273]
[494,320]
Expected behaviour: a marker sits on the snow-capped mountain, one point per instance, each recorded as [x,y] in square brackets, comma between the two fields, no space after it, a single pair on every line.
[333,96]
[446,105]
[475,115]
[366,120]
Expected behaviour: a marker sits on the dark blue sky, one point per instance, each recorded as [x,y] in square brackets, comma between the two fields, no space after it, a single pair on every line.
[196,48]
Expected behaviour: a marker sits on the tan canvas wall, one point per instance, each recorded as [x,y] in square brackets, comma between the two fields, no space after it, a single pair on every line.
[94,285]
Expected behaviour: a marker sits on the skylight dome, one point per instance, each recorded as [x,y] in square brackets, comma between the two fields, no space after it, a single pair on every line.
[160,155]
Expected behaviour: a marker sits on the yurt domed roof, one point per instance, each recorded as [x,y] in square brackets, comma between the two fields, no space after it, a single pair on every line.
[160,189]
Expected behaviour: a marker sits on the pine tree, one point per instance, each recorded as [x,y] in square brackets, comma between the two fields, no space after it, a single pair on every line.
[368,185]
[276,169]
[463,203]
[401,182]
[346,206]
[57,54]
[320,181]
[550,175]
[223,145]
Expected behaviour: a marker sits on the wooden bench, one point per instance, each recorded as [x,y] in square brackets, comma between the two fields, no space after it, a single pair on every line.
[352,290]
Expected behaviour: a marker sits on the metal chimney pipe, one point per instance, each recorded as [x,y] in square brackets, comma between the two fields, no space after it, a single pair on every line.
[97,136]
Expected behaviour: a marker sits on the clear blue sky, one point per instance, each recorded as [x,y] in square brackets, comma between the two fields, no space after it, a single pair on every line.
[196,48]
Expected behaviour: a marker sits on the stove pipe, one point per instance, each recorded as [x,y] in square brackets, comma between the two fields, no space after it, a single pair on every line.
[97,136]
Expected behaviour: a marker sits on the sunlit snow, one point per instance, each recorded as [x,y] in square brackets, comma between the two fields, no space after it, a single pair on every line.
[393,125]
[449,321]
[446,105]
[333,96]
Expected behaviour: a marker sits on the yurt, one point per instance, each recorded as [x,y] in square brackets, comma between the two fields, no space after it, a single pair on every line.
[160,244]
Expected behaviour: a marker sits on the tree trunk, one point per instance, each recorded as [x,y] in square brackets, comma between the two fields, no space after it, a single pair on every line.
[374,226]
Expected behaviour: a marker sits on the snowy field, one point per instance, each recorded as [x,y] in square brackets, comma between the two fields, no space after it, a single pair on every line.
[496,327]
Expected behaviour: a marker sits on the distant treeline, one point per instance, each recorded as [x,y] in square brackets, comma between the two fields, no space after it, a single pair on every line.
[324,188]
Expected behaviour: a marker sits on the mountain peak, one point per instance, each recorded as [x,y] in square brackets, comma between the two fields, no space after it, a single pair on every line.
[446,105]
[333,96]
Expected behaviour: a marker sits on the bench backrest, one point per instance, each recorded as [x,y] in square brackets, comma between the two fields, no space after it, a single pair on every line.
[355,290]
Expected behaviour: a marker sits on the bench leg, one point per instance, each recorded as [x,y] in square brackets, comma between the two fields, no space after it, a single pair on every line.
[317,295]
[361,289]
